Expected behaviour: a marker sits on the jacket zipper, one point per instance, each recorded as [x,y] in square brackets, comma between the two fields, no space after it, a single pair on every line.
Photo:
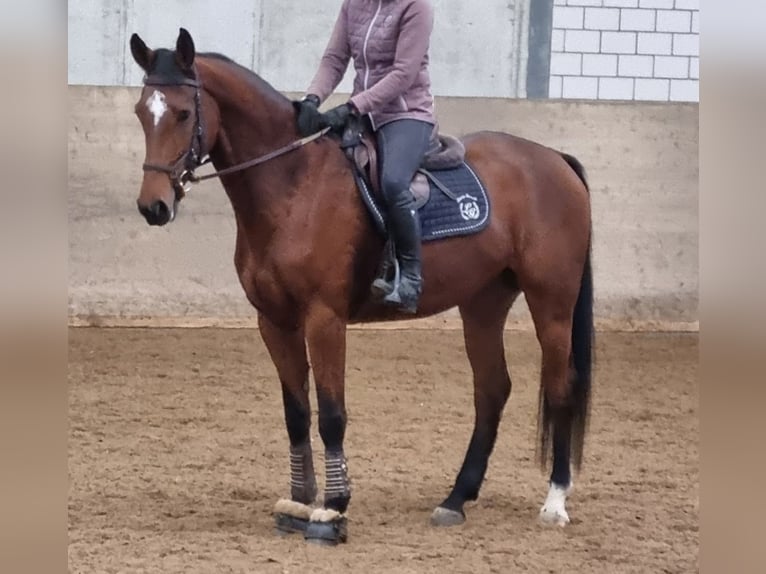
[367,39]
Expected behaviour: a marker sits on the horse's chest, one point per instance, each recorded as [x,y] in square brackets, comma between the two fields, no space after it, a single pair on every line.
[264,291]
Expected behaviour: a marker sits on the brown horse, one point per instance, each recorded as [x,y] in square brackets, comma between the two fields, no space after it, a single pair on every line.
[306,254]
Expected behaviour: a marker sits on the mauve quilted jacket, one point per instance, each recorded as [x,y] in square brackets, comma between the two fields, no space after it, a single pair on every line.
[388,41]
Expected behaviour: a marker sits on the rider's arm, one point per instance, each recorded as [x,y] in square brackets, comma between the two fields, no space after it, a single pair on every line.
[335,59]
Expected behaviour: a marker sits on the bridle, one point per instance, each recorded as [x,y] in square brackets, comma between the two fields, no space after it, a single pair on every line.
[181,171]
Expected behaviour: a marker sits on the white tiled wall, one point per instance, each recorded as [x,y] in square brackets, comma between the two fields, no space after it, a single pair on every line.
[625,50]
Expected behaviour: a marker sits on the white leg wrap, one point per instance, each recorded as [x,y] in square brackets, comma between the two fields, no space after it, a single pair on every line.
[336,480]
[302,479]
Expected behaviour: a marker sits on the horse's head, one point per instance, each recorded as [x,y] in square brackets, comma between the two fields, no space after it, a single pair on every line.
[171,111]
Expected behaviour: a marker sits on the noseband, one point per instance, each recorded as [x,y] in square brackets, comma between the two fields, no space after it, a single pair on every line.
[181,172]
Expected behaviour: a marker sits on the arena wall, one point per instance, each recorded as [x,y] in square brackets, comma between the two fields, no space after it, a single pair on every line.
[283,41]
[641,159]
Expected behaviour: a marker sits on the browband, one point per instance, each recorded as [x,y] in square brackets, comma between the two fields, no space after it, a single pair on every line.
[164,81]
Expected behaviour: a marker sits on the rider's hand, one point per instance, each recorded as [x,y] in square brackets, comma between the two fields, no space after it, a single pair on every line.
[337,118]
[309,120]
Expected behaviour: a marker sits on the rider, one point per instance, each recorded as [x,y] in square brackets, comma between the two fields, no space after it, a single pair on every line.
[389,42]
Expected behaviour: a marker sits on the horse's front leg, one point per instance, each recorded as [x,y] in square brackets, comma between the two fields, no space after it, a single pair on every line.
[288,352]
[326,337]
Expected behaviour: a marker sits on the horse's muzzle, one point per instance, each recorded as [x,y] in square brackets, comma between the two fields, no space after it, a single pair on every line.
[158,213]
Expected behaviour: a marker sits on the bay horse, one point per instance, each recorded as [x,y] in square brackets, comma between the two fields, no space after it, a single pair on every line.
[306,254]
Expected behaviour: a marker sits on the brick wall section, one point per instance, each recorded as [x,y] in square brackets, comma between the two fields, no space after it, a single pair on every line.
[625,50]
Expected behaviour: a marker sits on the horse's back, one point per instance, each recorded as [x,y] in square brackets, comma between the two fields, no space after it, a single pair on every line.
[509,162]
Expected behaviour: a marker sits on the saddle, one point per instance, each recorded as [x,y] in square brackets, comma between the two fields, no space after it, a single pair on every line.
[359,144]
[459,207]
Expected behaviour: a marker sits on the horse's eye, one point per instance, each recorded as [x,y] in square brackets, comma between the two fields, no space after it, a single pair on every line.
[183,115]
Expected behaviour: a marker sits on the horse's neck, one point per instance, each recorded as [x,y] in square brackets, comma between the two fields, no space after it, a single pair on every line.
[251,125]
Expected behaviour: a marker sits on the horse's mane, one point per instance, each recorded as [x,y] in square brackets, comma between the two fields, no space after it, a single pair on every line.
[261,85]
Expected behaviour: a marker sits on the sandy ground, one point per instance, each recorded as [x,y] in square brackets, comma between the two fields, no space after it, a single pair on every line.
[177,453]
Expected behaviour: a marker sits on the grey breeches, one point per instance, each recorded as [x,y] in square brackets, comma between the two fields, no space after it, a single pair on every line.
[401,147]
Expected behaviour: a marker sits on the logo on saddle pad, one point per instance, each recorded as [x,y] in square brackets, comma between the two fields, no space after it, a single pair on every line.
[469,208]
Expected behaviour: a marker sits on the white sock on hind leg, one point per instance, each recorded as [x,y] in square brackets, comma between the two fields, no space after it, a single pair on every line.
[554,509]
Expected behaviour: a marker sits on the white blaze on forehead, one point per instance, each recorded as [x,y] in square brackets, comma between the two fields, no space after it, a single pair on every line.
[157,106]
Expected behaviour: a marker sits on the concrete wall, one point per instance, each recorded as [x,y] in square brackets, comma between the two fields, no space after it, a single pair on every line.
[642,161]
[283,41]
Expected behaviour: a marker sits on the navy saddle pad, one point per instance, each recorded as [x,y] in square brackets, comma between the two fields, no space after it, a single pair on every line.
[457,205]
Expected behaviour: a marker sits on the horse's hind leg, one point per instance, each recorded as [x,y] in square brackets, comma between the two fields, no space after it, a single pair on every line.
[288,352]
[483,324]
[563,399]
[554,335]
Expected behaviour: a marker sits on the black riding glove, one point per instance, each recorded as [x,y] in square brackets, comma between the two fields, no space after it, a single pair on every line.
[309,119]
[337,118]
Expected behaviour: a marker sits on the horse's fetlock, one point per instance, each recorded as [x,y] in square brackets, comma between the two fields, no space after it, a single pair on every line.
[338,503]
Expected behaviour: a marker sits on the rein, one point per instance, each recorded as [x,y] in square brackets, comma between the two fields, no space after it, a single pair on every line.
[259,160]
[181,171]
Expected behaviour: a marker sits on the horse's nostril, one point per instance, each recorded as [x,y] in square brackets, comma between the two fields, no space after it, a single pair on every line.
[158,213]
[160,210]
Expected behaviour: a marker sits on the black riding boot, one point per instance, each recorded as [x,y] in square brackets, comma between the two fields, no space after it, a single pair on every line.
[404,225]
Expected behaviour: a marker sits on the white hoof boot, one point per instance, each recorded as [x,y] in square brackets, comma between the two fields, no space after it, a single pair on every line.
[554,510]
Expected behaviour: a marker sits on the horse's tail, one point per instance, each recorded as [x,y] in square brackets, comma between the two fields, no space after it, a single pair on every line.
[577,167]
[583,339]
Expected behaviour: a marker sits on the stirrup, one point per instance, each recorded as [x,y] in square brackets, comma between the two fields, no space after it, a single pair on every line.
[383,288]
[386,286]
[395,299]
[387,292]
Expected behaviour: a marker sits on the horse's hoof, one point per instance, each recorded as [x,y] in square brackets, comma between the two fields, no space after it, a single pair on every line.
[445,517]
[291,517]
[554,516]
[286,525]
[321,539]
[327,533]
[326,528]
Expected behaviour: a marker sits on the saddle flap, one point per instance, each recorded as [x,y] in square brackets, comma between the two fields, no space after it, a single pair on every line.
[358,141]
[361,157]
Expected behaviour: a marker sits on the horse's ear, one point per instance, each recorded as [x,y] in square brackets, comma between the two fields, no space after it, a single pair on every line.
[141,53]
[185,49]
